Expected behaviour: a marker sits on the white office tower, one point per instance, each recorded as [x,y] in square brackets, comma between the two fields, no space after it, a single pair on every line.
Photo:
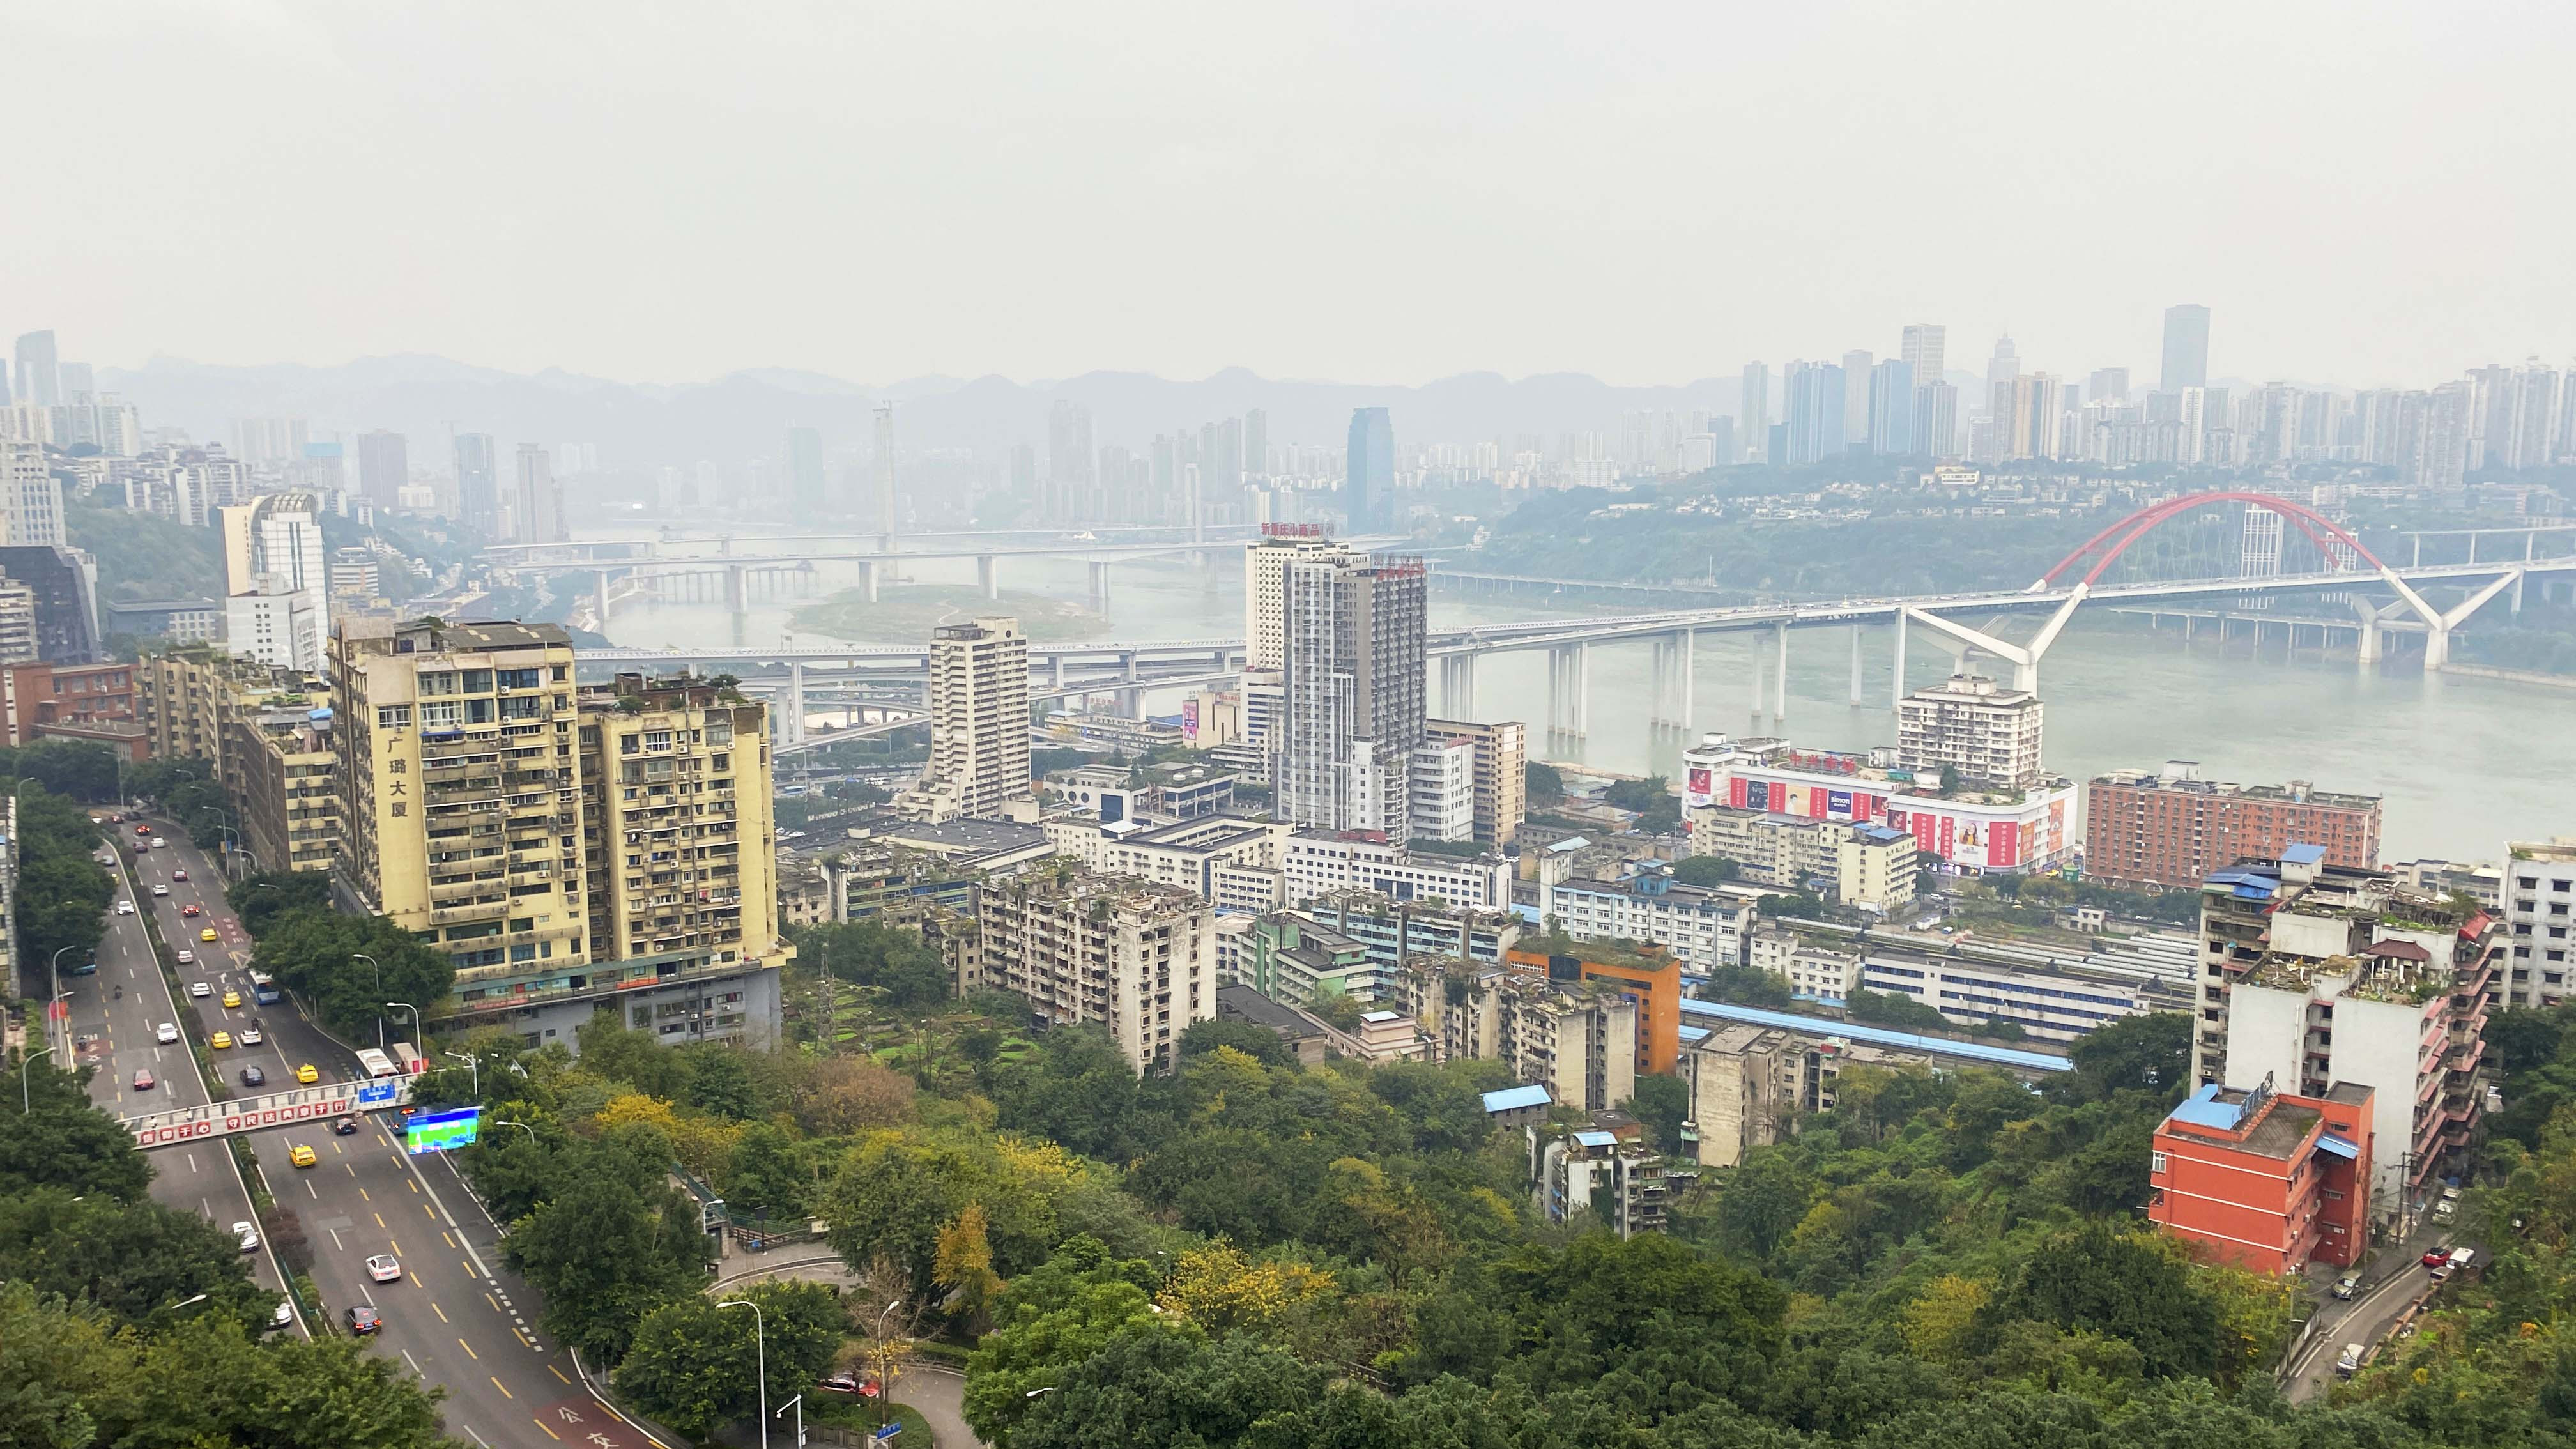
[32,497]
[1924,346]
[1988,734]
[1354,692]
[1444,790]
[979,722]
[277,583]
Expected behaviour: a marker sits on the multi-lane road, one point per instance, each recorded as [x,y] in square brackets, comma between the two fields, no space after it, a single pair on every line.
[455,1317]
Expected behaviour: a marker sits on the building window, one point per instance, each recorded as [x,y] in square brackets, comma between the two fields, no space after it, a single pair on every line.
[393,717]
[2156,1164]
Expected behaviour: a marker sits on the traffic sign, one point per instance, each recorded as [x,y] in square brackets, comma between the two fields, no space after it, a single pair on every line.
[888,1432]
[317,1103]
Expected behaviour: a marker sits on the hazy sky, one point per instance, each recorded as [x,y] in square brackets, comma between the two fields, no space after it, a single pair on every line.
[2364,193]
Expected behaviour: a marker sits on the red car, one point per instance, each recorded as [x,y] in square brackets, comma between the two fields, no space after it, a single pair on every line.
[178,875]
[190,909]
[2436,1258]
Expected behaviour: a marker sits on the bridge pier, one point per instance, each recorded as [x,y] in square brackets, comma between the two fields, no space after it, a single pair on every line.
[1099,587]
[988,574]
[868,578]
[1457,685]
[1855,682]
[1898,691]
[1780,679]
[737,587]
[1569,688]
[599,595]
[793,731]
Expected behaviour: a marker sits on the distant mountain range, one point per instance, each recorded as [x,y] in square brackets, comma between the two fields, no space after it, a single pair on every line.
[747,414]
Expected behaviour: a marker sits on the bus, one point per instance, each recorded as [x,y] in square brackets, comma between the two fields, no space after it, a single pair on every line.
[375,1063]
[406,1058]
[263,988]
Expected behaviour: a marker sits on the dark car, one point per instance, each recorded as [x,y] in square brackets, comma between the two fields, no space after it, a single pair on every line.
[254,1077]
[362,1319]
[178,875]
[345,1125]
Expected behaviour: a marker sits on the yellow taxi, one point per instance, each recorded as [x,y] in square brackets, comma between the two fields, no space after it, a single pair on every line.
[302,1156]
[207,934]
[307,1075]
[231,999]
[222,1040]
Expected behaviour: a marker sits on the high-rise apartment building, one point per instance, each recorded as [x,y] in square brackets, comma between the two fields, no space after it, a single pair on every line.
[478,484]
[1368,477]
[562,849]
[1753,401]
[2002,370]
[680,880]
[277,583]
[1816,412]
[1576,1037]
[39,370]
[384,468]
[2186,361]
[2158,830]
[1265,609]
[1891,407]
[1069,459]
[31,498]
[1936,420]
[1441,780]
[1353,678]
[538,516]
[1501,756]
[461,799]
[2108,384]
[2538,897]
[1136,957]
[979,722]
[1926,347]
[1856,397]
[1967,723]
[2037,402]
[2315,975]
[882,472]
[805,471]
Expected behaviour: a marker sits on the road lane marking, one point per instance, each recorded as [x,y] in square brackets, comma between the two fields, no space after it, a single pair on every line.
[558,1373]
[308,1187]
[379,1217]
[335,1239]
[351,1166]
[496,1306]
[469,1349]
[415,1368]
[362,1192]
[443,1233]
[551,1434]
[477,1438]
[523,1338]
[441,1312]
[414,1186]
[504,1388]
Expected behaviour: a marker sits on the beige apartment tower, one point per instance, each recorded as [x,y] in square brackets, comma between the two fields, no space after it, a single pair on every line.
[1989,734]
[1502,755]
[1138,958]
[979,722]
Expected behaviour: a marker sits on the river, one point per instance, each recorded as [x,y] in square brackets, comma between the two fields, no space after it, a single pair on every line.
[2462,762]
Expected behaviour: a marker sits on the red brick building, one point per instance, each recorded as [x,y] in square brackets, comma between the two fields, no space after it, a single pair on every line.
[71,701]
[2169,829]
[2264,1179]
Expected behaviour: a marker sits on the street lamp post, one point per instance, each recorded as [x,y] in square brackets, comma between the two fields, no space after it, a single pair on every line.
[473,1066]
[29,1060]
[54,970]
[416,1028]
[798,1404]
[885,1363]
[380,991]
[760,1346]
[522,1126]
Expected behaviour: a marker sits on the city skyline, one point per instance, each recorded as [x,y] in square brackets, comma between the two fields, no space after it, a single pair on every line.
[1103,131]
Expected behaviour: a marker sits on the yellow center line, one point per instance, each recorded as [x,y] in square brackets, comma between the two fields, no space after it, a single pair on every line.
[523,1338]
[504,1388]
[551,1434]
[469,1349]
[441,1312]
[433,1212]
[558,1373]
[351,1167]
[495,1302]
[397,1242]
[407,1182]
[362,1193]
[379,1217]
[442,1233]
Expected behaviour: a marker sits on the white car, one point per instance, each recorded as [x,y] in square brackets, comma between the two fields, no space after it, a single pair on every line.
[125,908]
[200,990]
[189,958]
[384,1268]
[160,890]
[158,843]
[249,1237]
[166,1033]
[249,1036]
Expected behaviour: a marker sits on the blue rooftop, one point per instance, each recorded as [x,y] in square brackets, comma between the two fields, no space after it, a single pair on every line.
[2203,1109]
[1881,835]
[2304,854]
[1512,1099]
[1879,1036]
[2328,1142]
[1571,842]
[1596,1139]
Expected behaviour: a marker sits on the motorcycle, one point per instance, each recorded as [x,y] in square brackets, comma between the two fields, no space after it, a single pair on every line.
[120,993]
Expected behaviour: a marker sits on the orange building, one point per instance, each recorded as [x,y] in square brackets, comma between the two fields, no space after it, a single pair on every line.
[73,701]
[2264,1179]
[1648,974]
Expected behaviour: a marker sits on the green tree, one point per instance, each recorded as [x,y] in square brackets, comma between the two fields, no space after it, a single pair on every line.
[1706,870]
[65,1142]
[259,900]
[694,1363]
[1661,1103]
[2099,1279]
[890,1197]
[131,1260]
[612,1244]
[2150,1053]
[1541,784]
[1250,1038]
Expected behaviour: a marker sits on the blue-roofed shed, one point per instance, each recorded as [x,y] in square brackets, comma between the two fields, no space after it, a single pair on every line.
[2303,854]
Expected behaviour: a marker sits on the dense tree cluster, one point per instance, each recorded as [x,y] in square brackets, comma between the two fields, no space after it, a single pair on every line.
[342,968]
